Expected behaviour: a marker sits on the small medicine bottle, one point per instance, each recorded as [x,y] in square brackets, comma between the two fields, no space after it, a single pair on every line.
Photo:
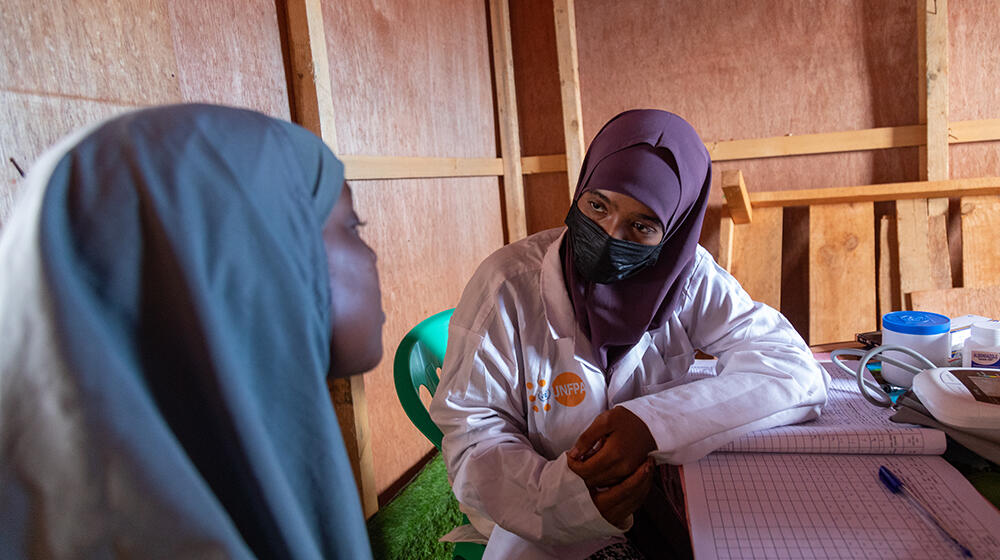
[982,348]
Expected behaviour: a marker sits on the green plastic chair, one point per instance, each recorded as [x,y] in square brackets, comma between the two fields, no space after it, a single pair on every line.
[418,358]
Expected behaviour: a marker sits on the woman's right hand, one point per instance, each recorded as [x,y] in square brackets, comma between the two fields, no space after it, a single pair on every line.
[617,502]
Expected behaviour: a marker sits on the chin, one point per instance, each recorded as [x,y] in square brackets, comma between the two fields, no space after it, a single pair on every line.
[356,362]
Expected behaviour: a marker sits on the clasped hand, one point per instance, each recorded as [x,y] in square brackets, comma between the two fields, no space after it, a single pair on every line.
[611,456]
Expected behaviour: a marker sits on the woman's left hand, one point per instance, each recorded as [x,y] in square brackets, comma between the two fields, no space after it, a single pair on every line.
[611,448]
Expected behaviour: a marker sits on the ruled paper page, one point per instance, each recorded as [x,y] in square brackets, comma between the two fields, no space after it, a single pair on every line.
[849,424]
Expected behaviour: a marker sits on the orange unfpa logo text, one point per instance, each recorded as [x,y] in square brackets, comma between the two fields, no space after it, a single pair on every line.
[568,389]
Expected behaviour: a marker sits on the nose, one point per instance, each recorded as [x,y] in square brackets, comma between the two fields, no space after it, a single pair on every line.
[616,227]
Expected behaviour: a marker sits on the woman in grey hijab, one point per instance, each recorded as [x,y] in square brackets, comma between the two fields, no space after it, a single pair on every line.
[174,292]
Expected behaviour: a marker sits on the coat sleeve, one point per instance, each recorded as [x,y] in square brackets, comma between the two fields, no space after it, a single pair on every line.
[766,375]
[492,466]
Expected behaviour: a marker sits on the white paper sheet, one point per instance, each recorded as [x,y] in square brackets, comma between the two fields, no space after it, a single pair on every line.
[771,505]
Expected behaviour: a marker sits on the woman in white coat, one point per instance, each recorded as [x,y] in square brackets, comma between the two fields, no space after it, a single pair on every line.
[566,372]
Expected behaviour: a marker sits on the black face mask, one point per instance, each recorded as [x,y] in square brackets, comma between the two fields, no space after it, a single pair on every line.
[602,259]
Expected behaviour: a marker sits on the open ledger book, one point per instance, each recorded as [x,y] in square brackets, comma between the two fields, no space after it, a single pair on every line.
[812,490]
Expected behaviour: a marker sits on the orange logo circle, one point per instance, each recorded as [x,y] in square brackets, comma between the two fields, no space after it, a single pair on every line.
[568,389]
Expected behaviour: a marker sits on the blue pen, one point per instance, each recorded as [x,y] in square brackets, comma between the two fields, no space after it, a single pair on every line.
[893,483]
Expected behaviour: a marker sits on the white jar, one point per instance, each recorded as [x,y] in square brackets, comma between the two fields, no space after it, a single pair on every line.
[982,348]
[927,333]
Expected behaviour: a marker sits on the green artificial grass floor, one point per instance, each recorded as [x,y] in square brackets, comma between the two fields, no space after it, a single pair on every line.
[409,526]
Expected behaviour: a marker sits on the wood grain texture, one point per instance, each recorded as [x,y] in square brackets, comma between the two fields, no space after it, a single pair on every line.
[879,192]
[980,250]
[924,259]
[841,271]
[312,107]
[569,83]
[68,64]
[734,191]
[311,97]
[229,52]
[888,267]
[429,239]
[539,108]
[801,68]
[974,64]
[413,79]
[954,302]
[506,111]
[755,250]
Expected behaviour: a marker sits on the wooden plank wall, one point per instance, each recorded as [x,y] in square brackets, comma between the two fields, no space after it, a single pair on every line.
[67,64]
[539,108]
[425,91]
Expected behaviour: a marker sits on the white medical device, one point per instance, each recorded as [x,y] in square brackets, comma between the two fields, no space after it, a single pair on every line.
[966,398]
[961,397]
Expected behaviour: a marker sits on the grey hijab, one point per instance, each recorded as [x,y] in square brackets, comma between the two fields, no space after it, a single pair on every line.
[164,346]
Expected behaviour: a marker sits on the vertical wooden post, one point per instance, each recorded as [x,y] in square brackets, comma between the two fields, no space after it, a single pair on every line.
[924,261]
[312,107]
[569,83]
[510,135]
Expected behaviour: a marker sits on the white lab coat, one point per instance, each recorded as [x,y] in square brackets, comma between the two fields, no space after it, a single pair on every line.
[509,410]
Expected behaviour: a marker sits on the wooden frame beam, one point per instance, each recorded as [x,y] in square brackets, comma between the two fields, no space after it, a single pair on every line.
[312,104]
[569,82]
[506,109]
[875,193]
[392,167]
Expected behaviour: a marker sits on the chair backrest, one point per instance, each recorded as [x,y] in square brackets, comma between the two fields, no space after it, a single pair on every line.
[417,360]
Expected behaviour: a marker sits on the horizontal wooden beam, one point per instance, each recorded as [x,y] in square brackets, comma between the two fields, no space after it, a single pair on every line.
[391,167]
[973,131]
[850,141]
[543,164]
[875,193]
[828,142]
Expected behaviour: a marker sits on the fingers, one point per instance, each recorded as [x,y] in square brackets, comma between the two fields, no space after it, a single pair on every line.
[626,442]
[590,440]
[620,501]
[605,467]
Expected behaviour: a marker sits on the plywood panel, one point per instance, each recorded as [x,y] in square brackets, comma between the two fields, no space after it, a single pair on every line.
[414,79]
[975,70]
[955,302]
[429,240]
[67,64]
[841,271]
[229,52]
[539,108]
[411,78]
[980,250]
[119,51]
[751,69]
[755,250]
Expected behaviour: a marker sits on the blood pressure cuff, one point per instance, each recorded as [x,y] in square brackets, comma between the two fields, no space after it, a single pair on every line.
[985,443]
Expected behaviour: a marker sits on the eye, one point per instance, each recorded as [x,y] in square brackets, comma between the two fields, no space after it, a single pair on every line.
[644,229]
[596,205]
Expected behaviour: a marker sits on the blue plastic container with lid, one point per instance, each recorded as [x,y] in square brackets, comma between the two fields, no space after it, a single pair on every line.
[922,331]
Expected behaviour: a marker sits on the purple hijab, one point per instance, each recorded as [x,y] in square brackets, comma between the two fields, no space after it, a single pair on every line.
[657,158]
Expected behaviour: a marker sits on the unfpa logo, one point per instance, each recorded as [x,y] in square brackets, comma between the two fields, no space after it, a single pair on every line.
[567,389]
